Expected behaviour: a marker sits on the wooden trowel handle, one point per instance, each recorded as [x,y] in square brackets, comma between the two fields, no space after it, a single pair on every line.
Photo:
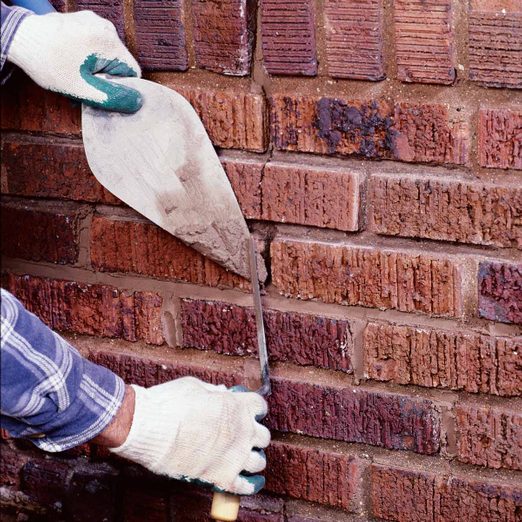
[225,507]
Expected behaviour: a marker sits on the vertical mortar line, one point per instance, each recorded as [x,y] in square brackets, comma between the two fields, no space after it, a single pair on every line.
[171,317]
[84,234]
[469,285]
[357,328]
[130,27]
[389,52]
[188,24]
[448,431]
[320,37]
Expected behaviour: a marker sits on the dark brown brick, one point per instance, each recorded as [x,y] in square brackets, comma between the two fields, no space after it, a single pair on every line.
[160,35]
[500,291]
[233,118]
[112,10]
[301,405]
[367,276]
[424,41]
[315,474]
[46,481]
[288,37]
[153,252]
[36,233]
[495,49]
[81,308]
[50,168]
[354,39]
[437,358]
[223,35]
[448,209]
[299,338]
[500,138]
[489,436]
[415,495]
[11,464]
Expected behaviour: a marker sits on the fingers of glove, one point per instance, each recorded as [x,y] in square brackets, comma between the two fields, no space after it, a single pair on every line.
[257,405]
[256,462]
[247,485]
[261,437]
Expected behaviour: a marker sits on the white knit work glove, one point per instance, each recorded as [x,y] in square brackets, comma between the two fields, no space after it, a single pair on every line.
[64,52]
[194,431]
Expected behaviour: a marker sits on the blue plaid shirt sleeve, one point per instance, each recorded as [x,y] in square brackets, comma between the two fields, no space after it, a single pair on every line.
[10,18]
[48,391]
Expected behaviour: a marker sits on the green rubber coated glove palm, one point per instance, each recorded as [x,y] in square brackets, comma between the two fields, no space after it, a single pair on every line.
[65,53]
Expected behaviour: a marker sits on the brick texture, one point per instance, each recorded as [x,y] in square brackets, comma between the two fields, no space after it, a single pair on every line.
[446,209]
[495,33]
[500,138]
[424,41]
[160,35]
[412,495]
[288,37]
[500,292]
[437,358]
[351,275]
[371,129]
[354,39]
[489,436]
[40,234]
[143,248]
[110,9]
[299,338]
[234,119]
[223,35]
[81,308]
[35,167]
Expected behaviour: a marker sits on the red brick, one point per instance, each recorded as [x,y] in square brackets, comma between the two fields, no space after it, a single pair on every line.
[245,178]
[223,35]
[315,196]
[299,404]
[11,464]
[495,51]
[112,10]
[500,138]
[299,338]
[160,35]
[424,41]
[233,118]
[366,276]
[50,168]
[448,209]
[371,129]
[436,358]
[288,37]
[411,495]
[500,291]
[354,39]
[27,107]
[91,309]
[118,245]
[37,233]
[489,436]
[315,474]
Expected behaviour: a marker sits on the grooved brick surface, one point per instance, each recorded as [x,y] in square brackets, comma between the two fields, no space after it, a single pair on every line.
[316,475]
[160,35]
[154,253]
[40,234]
[494,47]
[35,167]
[414,495]
[299,338]
[354,39]
[288,37]
[385,419]
[371,129]
[365,276]
[437,358]
[233,118]
[500,292]
[446,209]
[223,35]
[82,308]
[489,436]
[424,41]
[112,10]
[500,138]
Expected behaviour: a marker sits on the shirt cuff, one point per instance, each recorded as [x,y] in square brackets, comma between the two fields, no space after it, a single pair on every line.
[11,17]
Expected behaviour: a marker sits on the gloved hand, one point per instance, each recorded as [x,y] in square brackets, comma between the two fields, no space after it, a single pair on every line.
[190,430]
[64,52]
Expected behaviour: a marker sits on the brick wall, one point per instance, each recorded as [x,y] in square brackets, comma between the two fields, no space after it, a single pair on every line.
[376,149]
